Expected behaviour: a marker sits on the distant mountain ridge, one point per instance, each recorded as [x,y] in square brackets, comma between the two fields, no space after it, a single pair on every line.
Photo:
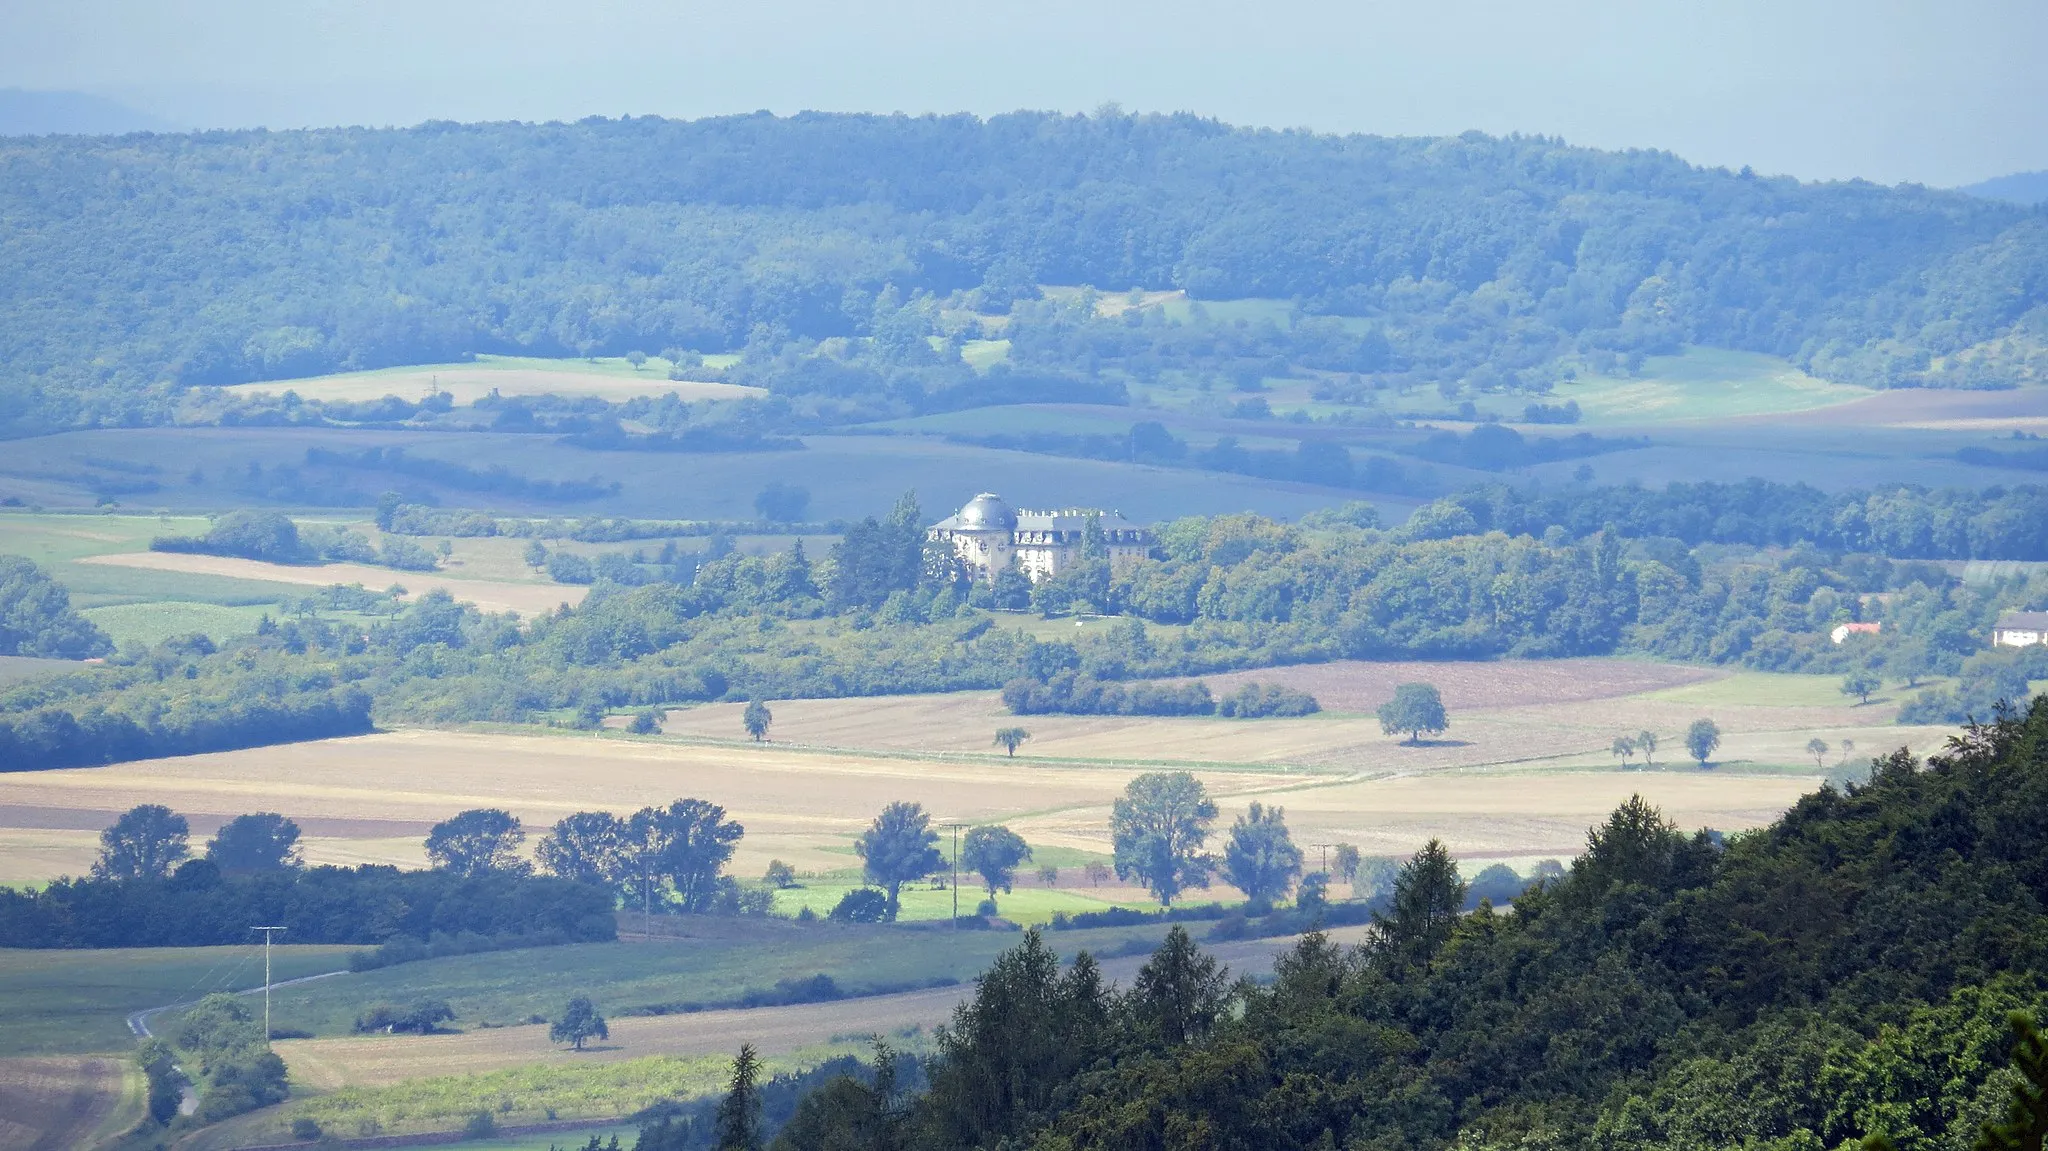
[31,113]
[2017,188]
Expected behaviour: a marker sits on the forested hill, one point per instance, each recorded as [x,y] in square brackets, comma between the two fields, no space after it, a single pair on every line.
[227,256]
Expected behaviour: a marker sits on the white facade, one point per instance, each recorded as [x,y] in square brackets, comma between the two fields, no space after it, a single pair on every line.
[2020,629]
[989,536]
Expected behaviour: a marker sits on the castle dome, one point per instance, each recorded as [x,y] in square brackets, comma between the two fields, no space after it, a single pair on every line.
[986,512]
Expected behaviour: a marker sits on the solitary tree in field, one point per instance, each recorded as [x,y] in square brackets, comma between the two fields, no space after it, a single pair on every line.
[1818,749]
[1261,859]
[1625,748]
[994,853]
[480,841]
[1008,738]
[636,358]
[1049,875]
[261,841]
[646,723]
[579,1024]
[898,847]
[1417,709]
[145,843]
[757,719]
[779,875]
[1646,742]
[1848,746]
[1702,738]
[1861,684]
[1158,827]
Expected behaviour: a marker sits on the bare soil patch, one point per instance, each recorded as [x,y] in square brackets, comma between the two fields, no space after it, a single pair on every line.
[488,595]
[56,1103]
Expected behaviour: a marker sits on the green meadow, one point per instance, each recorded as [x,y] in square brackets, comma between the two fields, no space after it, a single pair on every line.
[75,1002]
[717,961]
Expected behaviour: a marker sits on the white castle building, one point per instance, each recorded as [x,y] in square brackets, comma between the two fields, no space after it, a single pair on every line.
[989,535]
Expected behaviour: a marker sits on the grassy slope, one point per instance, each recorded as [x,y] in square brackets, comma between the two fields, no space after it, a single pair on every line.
[719,962]
[66,1002]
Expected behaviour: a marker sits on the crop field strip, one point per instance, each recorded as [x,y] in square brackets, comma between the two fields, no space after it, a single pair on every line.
[366,799]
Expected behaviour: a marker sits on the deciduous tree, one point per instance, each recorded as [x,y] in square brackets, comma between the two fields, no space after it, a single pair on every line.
[480,841]
[1158,827]
[898,847]
[1702,738]
[993,853]
[1417,709]
[144,843]
[259,841]
[1261,858]
[578,1024]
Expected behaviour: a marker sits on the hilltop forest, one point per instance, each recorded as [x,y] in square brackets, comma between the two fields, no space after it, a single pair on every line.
[135,267]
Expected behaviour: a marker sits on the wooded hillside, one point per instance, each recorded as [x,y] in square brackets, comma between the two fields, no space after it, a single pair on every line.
[227,256]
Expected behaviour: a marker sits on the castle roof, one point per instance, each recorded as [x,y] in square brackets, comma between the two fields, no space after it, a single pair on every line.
[984,513]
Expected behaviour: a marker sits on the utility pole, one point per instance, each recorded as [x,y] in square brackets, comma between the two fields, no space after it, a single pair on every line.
[267,932]
[956,873]
[1322,856]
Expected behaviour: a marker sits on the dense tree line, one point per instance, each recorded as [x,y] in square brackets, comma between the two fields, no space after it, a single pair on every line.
[1845,973]
[201,905]
[273,254]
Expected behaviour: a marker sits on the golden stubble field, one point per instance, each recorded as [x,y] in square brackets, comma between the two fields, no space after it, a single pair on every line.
[1514,779]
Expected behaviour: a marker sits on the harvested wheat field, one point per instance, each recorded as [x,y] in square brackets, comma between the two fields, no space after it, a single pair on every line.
[58,1103]
[804,807]
[527,599]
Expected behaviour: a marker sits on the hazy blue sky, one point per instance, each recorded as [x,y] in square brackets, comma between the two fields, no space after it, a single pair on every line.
[1943,93]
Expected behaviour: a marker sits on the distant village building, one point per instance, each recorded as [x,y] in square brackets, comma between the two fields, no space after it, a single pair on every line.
[989,535]
[2020,629]
[1845,630]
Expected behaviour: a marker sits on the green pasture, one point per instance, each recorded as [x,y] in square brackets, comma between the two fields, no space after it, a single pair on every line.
[1027,905]
[531,1093]
[74,1002]
[1698,384]
[149,624]
[1779,689]
[719,961]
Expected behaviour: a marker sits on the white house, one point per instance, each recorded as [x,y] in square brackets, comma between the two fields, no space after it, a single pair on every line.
[2020,629]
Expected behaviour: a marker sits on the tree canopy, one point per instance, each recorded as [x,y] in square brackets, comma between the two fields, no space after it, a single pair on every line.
[1158,828]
